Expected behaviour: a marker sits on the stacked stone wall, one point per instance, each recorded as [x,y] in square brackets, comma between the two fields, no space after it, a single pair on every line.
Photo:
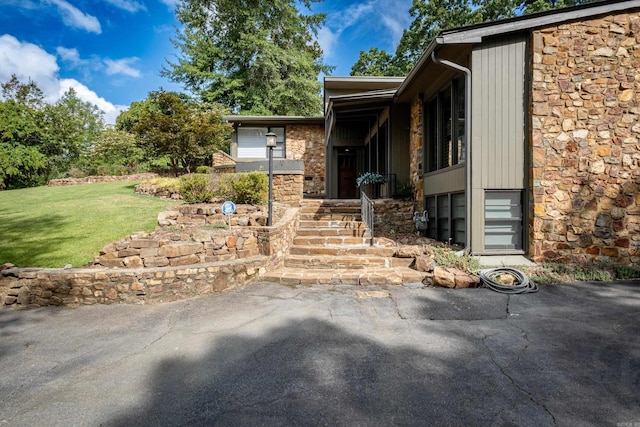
[306,142]
[394,216]
[166,265]
[586,141]
[415,153]
[26,287]
[100,178]
[223,163]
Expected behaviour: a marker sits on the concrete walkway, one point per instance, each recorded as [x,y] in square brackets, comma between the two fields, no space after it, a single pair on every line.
[268,354]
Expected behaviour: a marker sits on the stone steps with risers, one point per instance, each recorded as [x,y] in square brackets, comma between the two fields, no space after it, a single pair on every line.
[343,250]
[332,246]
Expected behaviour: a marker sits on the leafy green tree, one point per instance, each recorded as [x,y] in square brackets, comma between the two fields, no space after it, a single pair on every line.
[187,131]
[430,17]
[72,126]
[39,139]
[375,62]
[114,148]
[22,163]
[253,56]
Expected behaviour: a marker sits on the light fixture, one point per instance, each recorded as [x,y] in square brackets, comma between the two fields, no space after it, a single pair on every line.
[271,142]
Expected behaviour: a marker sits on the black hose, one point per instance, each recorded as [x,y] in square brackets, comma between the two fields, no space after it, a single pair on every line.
[522,283]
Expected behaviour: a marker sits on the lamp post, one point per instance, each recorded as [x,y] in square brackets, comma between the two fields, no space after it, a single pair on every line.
[271,142]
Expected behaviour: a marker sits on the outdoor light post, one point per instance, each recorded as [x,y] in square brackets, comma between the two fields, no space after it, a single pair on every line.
[271,142]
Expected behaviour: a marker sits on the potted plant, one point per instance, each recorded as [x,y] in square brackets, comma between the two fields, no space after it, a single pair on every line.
[370,182]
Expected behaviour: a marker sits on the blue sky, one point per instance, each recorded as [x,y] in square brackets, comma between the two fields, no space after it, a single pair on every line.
[111,51]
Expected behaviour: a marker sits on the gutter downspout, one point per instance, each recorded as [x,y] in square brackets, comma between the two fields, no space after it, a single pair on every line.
[467,131]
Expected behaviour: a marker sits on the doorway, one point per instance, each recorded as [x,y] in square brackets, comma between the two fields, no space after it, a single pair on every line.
[347,173]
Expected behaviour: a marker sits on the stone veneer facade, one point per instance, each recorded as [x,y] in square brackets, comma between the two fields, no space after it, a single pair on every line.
[415,152]
[306,142]
[585,127]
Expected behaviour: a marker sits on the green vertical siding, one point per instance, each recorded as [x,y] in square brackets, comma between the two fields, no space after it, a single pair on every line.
[498,122]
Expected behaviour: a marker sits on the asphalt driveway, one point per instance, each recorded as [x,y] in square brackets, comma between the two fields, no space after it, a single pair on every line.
[346,356]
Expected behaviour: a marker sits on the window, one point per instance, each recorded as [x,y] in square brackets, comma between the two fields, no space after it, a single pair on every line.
[444,139]
[503,219]
[447,213]
[252,142]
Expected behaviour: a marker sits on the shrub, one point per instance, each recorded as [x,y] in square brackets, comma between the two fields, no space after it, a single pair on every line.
[195,188]
[244,188]
[203,169]
[448,259]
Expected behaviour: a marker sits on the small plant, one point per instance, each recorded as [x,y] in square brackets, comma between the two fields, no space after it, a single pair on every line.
[244,188]
[217,226]
[160,183]
[203,169]
[406,191]
[449,259]
[370,178]
[195,188]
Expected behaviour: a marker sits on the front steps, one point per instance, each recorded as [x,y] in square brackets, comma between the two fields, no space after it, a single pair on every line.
[333,246]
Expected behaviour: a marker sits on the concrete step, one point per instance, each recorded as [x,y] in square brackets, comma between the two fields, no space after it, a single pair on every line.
[343,250]
[370,276]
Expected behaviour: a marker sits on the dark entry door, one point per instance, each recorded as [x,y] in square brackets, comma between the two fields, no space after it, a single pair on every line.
[347,174]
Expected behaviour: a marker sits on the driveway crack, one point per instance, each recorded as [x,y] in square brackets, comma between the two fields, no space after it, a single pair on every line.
[505,373]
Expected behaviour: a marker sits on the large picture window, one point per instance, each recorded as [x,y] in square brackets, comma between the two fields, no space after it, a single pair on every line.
[444,119]
[252,142]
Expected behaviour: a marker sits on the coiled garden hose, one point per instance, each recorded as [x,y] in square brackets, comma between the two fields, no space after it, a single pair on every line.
[521,285]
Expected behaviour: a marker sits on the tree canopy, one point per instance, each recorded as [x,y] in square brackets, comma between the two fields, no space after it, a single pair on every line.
[40,140]
[430,17]
[253,56]
[173,125]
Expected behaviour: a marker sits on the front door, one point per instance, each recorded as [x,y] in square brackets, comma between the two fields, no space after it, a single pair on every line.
[347,174]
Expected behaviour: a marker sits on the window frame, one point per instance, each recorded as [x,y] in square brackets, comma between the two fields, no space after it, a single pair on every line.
[279,152]
[516,222]
[441,222]
[435,141]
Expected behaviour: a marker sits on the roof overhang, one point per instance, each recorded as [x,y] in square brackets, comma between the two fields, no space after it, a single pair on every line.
[475,34]
[362,83]
[274,120]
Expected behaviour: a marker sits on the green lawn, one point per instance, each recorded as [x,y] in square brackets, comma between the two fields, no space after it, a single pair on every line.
[55,226]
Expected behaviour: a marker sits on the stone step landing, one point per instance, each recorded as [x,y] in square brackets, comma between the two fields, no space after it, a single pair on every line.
[345,276]
[332,246]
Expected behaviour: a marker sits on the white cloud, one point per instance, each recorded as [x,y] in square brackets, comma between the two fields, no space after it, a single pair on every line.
[74,17]
[122,66]
[69,55]
[128,5]
[28,61]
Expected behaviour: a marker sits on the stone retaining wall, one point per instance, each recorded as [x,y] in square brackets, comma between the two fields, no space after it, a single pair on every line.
[28,287]
[178,261]
[394,216]
[585,141]
[97,179]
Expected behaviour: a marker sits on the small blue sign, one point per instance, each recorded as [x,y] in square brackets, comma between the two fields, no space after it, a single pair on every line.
[228,208]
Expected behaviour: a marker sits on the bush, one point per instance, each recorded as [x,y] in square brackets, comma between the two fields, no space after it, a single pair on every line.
[203,169]
[195,188]
[249,188]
